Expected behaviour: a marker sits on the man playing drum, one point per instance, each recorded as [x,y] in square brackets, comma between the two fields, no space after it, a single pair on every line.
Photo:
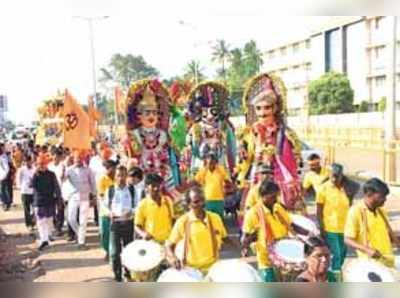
[155,214]
[253,197]
[202,232]
[269,221]
[333,205]
[367,227]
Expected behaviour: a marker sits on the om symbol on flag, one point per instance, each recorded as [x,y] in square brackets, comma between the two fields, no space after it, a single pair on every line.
[71,121]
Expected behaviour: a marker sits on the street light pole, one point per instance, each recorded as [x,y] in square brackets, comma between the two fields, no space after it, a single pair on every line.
[390,131]
[90,21]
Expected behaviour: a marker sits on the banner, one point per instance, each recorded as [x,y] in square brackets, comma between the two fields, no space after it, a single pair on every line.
[76,124]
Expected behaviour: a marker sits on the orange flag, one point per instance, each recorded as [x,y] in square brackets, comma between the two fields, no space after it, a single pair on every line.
[76,124]
[119,104]
[94,117]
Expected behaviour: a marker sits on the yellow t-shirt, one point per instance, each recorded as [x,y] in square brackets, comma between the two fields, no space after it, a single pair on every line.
[200,249]
[154,219]
[212,182]
[102,187]
[336,206]
[252,224]
[253,197]
[315,180]
[375,230]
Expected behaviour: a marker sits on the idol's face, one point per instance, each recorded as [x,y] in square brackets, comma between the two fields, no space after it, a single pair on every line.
[148,117]
[209,114]
[264,110]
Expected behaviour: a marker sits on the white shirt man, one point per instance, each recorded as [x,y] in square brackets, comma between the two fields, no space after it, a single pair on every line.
[83,186]
[24,183]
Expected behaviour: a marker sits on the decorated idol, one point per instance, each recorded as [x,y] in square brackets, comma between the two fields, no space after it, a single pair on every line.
[210,131]
[268,140]
[148,112]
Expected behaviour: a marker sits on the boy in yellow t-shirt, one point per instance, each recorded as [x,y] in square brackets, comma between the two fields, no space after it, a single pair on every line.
[154,215]
[332,207]
[213,178]
[203,230]
[268,221]
[104,184]
[316,176]
[367,227]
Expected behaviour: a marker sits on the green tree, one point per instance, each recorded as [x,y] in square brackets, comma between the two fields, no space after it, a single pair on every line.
[221,54]
[252,58]
[194,71]
[382,104]
[124,69]
[331,94]
[363,107]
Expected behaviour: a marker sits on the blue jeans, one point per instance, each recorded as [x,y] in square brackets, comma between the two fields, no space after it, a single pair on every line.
[6,192]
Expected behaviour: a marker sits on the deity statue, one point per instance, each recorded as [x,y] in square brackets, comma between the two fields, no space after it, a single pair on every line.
[148,142]
[268,140]
[210,131]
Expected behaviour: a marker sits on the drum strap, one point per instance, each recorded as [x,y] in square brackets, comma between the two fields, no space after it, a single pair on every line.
[269,236]
[187,238]
[365,225]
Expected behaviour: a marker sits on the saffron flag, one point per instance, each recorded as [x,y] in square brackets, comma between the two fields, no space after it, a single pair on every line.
[76,125]
[119,102]
[94,117]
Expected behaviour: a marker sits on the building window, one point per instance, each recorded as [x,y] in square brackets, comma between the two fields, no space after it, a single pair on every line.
[380,81]
[271,54]
[377,23]
[333,51]
[296,48]
[283,51]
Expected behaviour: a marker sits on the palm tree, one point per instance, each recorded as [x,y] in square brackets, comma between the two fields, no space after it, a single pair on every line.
[252,57]
[193,71]
[221,54]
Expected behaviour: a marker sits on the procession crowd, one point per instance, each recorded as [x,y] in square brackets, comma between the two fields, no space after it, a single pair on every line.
[59,188]
[162,194]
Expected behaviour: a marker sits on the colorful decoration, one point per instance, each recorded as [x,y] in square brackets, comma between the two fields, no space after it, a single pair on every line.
[268,140]
[51,118]
[147,141]
[211,131]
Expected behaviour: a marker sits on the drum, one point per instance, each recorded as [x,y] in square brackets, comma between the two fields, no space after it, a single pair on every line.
[143,258]
[232,271]
[184,275]
[305,223]
[287,256]
[366,270]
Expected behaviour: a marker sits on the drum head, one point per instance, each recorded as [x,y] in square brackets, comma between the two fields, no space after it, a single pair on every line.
[142,255]
[184,275]
[290,250]
[232,271]
[367,271]
[304,223]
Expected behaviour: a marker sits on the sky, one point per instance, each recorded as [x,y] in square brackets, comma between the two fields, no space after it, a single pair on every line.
[44,48]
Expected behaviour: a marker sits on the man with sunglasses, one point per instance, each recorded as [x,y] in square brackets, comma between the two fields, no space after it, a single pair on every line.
[367,227]
[316,176]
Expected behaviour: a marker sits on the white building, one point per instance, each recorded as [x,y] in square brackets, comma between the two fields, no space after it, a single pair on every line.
[352,45]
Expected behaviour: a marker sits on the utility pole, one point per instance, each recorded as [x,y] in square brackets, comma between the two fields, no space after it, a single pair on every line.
[390,129]
[90,21]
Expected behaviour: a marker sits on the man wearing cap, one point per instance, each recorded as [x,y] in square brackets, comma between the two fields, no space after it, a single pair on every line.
[46,192]
[84,189]
[333,205]
[316,176]
[213,178]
